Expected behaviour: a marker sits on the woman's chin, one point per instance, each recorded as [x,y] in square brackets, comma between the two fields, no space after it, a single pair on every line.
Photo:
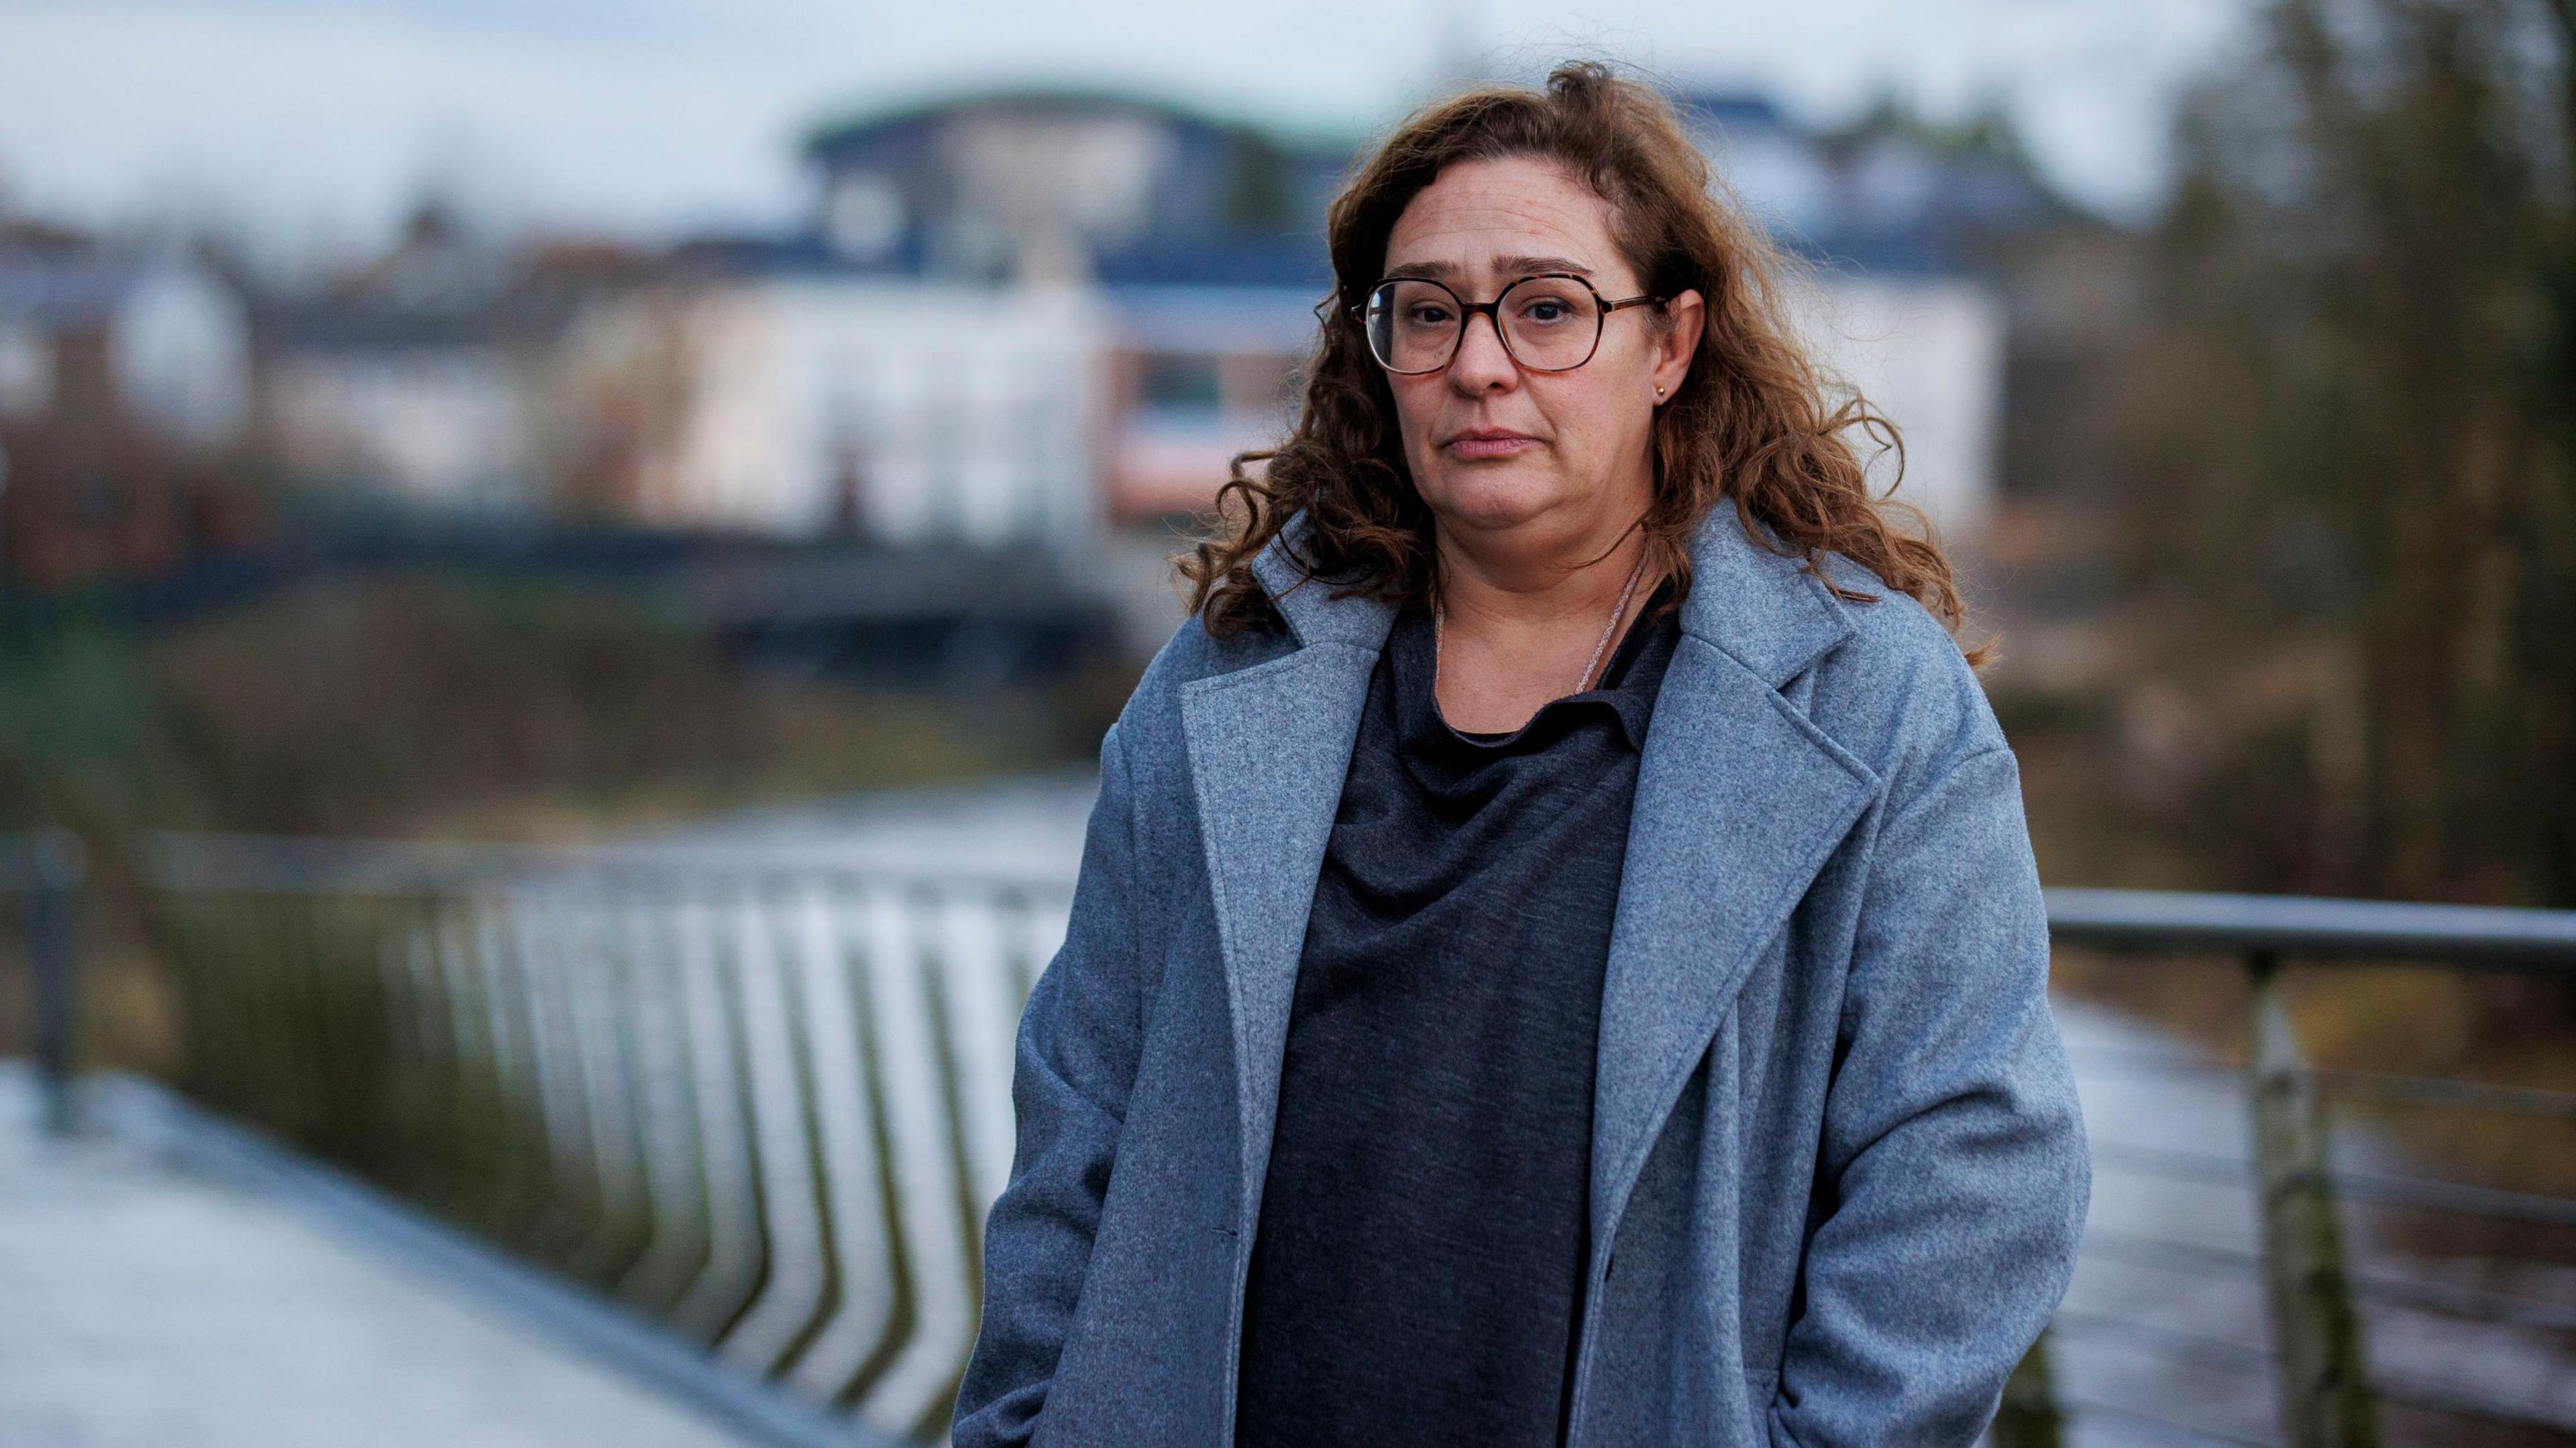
[1494,499]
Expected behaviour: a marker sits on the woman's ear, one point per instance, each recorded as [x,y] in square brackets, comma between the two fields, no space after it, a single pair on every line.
[1677,342]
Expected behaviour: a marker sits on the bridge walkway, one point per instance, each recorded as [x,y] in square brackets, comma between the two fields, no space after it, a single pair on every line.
[146,1303]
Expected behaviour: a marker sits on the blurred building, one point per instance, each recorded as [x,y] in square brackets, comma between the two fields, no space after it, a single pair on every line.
[1202,237]
[85,328]
[1041,318]
[122,372]
[1031,318]
[1899,227]
[1889,194]
[1020,315]
[432,376]
[800,403]
[1124,286]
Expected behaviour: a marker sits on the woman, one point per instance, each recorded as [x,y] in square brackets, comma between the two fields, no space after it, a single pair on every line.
[1557,956]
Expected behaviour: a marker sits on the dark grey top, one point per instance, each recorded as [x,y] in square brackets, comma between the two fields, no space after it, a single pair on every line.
[1417,1271]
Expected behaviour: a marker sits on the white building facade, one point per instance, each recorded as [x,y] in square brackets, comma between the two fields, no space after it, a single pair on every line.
[443,426]
[900,411]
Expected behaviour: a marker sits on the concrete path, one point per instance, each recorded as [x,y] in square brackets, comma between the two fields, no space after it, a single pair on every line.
[145,1306]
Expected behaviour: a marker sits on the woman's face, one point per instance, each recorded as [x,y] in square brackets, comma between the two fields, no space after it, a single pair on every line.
[1492,446]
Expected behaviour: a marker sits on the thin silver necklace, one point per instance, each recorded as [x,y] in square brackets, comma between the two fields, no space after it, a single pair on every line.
[1583,681]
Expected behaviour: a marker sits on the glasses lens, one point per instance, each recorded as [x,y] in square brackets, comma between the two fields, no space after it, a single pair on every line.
[1412,325]
[1551,322]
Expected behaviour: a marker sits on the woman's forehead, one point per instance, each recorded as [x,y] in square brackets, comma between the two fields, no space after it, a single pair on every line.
[1495,218]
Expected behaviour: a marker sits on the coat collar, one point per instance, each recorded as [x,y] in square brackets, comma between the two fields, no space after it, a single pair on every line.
[1740,800]
[1315,610]
[1764,609]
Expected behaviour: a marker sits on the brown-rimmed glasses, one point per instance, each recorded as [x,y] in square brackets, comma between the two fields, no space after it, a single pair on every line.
[1548,323]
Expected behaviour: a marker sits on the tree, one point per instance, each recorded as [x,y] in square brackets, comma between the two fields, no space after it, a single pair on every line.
[2354,428]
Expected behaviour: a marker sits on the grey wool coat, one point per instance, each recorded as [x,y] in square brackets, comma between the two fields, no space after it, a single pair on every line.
[1837,1169]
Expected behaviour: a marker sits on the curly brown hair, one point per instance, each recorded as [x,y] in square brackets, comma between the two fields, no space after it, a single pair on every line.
[1754,421]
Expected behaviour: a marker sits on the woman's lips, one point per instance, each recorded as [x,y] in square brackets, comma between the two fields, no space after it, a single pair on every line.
[1477,446]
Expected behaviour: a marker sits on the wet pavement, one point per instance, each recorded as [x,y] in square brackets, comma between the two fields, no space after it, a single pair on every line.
[145,1305]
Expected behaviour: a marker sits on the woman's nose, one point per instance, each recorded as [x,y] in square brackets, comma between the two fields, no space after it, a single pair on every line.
[1482,363]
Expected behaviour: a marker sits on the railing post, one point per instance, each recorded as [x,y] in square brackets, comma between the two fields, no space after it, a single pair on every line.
[2324,1383]
[56,866]
[2029,1417]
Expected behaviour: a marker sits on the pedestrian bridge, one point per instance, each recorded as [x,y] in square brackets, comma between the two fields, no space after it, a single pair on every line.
[691,1142]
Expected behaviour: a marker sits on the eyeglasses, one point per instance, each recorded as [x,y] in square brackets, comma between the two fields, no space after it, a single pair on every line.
[1548,323]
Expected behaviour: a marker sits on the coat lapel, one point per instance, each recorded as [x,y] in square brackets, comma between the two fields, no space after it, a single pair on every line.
[1269,749]
[1740,800]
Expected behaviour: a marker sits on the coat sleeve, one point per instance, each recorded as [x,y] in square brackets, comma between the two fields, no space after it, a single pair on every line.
[1074,1063]
[1953,1176]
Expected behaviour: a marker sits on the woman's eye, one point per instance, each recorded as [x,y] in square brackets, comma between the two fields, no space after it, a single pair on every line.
[1546,309]
[1427,316]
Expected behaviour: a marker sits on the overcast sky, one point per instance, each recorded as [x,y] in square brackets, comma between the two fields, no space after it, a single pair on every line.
[315,122]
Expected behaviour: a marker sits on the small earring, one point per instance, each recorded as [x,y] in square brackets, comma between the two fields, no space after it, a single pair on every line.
[1659,392]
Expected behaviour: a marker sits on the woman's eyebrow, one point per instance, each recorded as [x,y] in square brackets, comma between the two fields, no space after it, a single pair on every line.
[1428,271]
[1522,266]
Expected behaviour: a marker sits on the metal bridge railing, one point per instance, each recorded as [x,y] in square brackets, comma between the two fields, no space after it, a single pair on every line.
[2327,1396]
[766,1105]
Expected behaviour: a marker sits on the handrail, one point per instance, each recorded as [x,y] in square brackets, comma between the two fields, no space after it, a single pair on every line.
[296,865]
[761,1099]
[2323,1371]
[2312,927]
